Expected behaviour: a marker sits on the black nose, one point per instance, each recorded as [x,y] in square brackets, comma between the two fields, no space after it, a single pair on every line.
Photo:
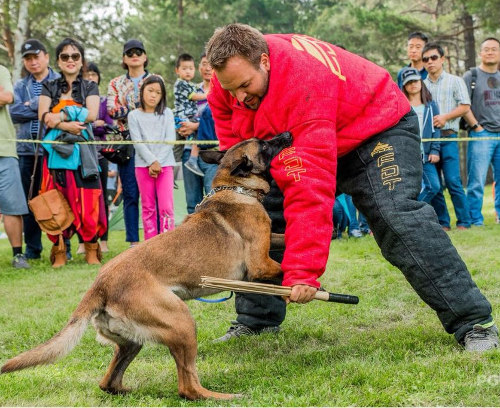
[282,140]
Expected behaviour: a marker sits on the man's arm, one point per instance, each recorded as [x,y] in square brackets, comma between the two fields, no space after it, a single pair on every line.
[458,112]
[6,97]
[22,111]
[222,113]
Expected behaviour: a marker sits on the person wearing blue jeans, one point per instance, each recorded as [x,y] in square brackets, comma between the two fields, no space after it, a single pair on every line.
[123,97]
[195,185]
[484,120]
[24,114]
[479,156]
[130,193]
[450,94]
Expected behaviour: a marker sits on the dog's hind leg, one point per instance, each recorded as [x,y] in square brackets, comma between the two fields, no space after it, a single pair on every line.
[170,323]
[124,354]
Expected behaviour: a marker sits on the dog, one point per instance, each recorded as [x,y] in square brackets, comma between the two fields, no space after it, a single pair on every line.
[139,295]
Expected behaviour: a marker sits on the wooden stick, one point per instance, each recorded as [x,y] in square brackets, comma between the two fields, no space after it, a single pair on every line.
[268,289]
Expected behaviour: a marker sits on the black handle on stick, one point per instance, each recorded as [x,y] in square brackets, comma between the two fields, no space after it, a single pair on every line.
[336,297]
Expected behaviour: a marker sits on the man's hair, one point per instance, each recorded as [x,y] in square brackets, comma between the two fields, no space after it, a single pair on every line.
[236,40]
[419,35]
[433,46]
[162,104]
[490,39]
[182,58]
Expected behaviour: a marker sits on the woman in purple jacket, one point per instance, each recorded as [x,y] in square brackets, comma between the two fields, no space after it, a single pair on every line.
[92,73]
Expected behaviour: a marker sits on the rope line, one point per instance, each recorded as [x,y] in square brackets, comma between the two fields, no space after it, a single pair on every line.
[120,142]
[215,142]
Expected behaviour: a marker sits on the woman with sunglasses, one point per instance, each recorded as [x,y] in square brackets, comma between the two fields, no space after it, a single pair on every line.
[123,98]
[421,101]
[68,105]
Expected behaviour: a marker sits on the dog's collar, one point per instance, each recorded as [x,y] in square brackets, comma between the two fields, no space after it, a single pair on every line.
[237,189]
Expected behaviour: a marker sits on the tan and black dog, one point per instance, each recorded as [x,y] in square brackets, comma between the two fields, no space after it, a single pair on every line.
[139,295]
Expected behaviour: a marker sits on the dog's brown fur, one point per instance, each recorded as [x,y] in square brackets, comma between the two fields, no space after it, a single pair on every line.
[139,295]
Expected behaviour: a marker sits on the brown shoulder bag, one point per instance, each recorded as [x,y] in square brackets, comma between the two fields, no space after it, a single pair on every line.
[51,210]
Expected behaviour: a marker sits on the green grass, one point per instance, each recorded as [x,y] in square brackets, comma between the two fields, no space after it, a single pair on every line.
[390,350]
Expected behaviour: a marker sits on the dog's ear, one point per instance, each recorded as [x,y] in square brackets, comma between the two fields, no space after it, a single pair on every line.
[212,156]
[242,167]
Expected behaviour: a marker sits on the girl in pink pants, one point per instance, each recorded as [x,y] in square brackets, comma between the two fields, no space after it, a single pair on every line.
[154,162]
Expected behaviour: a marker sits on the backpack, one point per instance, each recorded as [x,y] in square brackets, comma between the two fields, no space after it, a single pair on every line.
[463,123]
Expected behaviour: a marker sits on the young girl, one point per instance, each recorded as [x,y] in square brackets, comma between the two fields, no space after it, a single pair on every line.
[154,163]
[421,101]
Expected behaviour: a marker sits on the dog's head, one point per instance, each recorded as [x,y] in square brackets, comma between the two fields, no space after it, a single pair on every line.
[250,157]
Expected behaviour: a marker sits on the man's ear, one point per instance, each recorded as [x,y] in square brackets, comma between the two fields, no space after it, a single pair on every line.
[212,156]
[242,167]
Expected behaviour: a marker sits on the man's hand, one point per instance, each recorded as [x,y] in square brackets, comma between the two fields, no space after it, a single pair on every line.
[433,158]
[301,294]
[188,128]
[439,121]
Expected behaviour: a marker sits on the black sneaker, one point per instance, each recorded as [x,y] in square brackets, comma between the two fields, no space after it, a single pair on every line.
[20,262]
[481,338]
[239,329]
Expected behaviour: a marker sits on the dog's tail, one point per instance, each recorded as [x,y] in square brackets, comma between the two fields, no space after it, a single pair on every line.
[64,341]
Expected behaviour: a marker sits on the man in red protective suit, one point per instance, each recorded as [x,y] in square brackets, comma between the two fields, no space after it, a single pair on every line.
[351,128]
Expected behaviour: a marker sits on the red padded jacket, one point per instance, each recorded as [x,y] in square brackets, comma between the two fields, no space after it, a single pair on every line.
[331,101]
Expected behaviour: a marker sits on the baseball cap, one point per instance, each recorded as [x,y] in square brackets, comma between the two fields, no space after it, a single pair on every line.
[131,44]
[32,46]
[410,74]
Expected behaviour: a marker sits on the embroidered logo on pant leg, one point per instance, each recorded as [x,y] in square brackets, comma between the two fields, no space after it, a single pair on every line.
[389,173]
[380,148]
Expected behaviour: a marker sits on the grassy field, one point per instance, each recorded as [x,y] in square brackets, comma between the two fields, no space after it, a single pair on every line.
[390,350]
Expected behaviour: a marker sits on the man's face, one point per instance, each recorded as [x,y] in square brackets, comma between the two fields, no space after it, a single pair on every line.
[490,53]
[245,82]
[205,69]
[433,62]
[36,63]
[414,49]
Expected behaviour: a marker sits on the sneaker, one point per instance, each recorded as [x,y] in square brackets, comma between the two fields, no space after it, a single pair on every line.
[462,228]
[192,165]
[69,257]
[481,338]
[20,262]
[355,233]
[497,219]
[239,329]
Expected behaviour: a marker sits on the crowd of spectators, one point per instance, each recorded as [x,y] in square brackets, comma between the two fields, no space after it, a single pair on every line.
[68,102]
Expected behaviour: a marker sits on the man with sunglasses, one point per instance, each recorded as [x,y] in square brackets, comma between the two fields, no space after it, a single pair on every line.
[450,93]
[123,97]
[24,113]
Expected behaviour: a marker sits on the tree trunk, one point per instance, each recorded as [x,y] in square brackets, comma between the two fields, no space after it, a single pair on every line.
[470,42]
[180,17]
[8,41]
[20,37]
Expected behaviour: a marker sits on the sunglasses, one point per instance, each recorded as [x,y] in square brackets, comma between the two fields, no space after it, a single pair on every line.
[432,58]
[65,57]
[136,51]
